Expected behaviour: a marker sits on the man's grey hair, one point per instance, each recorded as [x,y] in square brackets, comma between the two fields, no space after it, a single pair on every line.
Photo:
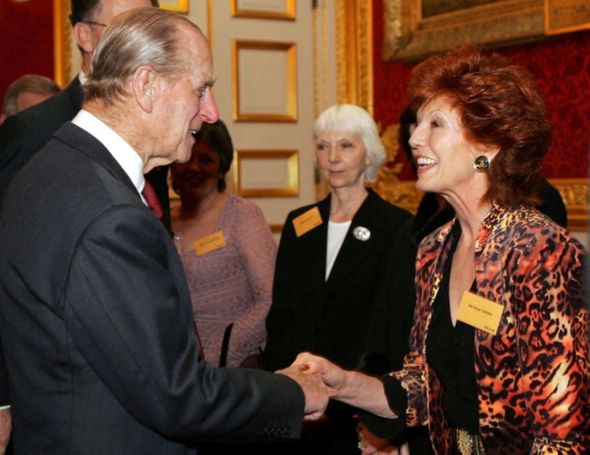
[31,83]
[141,36]
[354,119]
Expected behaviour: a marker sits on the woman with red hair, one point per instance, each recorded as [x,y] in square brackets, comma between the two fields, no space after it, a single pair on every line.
[498,359]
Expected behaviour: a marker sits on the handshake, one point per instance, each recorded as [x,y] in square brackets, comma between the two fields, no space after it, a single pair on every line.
[320,380]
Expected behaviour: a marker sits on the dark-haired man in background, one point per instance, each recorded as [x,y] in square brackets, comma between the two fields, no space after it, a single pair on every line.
[23,135]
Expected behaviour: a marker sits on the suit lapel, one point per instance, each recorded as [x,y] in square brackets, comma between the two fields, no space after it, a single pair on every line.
[353,251]
[87,144]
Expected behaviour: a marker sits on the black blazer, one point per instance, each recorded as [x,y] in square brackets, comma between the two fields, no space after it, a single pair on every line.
[22,136]
[97,325]
[330,317]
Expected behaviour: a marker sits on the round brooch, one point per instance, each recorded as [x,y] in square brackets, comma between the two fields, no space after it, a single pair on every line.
[361,233]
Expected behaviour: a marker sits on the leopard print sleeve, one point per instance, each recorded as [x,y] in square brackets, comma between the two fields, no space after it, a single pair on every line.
[551,331]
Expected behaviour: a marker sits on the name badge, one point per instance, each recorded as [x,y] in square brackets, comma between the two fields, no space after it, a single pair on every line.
[209,243]
[307,221]
[483,314]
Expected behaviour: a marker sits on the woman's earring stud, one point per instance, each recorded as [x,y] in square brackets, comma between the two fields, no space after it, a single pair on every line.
[481,163]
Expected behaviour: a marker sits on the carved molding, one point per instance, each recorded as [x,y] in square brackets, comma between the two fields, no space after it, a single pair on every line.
[354,52]
[62,37]
[576,196]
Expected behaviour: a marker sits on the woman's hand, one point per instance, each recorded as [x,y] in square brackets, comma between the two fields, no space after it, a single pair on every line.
[333,376]
[350,387]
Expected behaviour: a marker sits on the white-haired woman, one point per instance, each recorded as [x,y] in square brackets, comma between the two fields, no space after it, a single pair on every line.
[331,262]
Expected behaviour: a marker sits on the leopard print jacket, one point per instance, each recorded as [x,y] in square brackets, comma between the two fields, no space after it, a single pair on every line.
[533,375]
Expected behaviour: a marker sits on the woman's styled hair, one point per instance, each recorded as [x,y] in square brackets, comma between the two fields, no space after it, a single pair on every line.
[354,119]
[499,106]
[217,137]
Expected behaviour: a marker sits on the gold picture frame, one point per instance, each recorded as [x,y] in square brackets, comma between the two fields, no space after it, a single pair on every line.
[178,6]
[564,16]
[410,36]
[263,162]
[245,110]
[285,10]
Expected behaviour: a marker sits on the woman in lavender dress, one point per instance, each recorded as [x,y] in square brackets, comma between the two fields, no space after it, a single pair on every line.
[228,252]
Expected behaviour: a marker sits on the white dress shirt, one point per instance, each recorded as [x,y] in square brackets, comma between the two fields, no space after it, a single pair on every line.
[121,151]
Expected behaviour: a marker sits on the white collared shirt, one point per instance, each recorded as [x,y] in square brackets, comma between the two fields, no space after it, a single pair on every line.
[123,153]
[336,235]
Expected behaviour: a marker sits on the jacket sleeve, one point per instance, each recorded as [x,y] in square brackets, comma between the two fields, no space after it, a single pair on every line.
[278,324]
[551,328]
[128,313]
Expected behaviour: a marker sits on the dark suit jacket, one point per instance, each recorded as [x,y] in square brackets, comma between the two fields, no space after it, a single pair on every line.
[23,135]
[329,318]
[97,323]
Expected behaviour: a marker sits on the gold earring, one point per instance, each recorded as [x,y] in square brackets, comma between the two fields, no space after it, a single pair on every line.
[481,163]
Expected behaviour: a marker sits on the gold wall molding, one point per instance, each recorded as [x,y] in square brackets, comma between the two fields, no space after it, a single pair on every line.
[564,16]
[62,38]
[288,158]
[354,52]
[255,11]
[289,111]
[576,196]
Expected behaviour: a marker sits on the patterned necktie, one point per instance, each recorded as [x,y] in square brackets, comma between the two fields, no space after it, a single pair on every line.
[150,196]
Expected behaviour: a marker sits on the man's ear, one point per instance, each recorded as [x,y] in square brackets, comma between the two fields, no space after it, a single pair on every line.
[82,37]
[145,87]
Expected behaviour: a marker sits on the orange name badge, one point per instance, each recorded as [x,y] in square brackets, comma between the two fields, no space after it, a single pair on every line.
[307,221]
[483,314]
[209,243]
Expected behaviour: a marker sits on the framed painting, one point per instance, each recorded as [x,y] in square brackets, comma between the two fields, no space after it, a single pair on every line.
[413,30]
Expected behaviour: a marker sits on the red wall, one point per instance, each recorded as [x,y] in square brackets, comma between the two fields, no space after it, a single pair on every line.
[561,66]
[26,40]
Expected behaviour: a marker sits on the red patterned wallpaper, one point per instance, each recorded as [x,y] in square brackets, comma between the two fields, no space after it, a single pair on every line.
[26,40]
[561,66]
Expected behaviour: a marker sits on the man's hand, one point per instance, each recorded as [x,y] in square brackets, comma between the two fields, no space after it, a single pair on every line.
[316,394]
[334,377]
[5,428]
